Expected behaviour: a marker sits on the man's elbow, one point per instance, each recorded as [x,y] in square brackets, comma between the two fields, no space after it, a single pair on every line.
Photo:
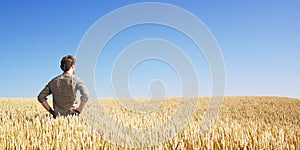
[41,98]
[84,98]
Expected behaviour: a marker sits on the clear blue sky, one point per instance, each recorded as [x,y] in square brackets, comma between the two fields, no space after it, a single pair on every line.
[260,43]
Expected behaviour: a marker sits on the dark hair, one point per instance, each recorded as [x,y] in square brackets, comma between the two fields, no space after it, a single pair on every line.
[67,62]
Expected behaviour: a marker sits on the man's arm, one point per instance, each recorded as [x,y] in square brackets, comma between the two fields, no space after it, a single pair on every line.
[46,105]
[42,98]
[84,95]
[44,93]
[48,108]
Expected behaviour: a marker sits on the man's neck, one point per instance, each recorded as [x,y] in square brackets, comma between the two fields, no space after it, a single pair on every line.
[69,72]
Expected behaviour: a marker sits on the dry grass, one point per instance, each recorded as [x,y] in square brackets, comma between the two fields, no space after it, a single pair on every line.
[243,123]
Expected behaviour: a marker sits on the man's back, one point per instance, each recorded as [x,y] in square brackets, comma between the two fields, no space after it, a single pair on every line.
[63,89]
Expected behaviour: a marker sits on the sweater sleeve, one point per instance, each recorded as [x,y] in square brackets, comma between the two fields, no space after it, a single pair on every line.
[83,90]
[44,93]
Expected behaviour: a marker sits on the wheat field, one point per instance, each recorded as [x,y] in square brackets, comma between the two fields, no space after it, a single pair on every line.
[243,123]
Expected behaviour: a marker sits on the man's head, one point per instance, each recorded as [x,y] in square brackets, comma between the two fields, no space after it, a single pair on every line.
[67,64]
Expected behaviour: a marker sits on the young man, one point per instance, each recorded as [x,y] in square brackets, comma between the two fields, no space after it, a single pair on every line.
[63,89]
